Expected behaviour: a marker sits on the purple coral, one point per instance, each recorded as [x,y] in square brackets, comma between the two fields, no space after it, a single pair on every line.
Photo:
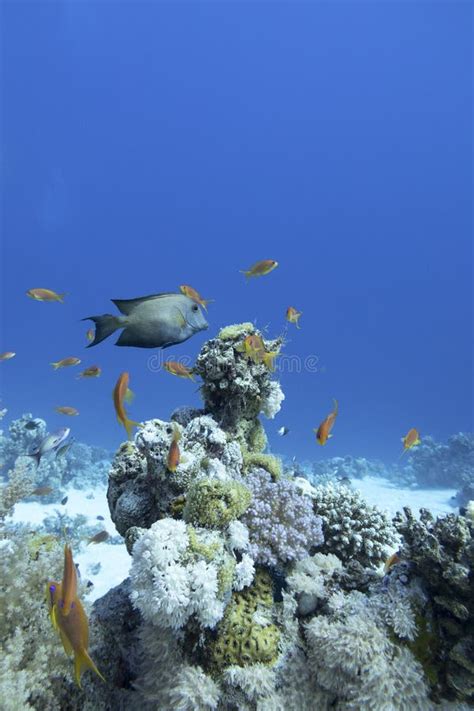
[282,525]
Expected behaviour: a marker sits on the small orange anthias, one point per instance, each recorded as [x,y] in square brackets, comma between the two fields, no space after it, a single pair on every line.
[411,439]
[174,454]
[323,433]
[69,618]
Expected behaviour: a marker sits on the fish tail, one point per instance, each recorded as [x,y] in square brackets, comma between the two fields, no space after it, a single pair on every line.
[55,365]
[36,457]
[247,273]
[105,325]
[81,662]
[129,425]
[61,297]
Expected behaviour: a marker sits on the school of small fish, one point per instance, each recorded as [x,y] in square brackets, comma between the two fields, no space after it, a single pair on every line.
[155,321]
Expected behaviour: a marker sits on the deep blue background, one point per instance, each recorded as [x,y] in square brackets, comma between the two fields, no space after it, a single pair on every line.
[147,145]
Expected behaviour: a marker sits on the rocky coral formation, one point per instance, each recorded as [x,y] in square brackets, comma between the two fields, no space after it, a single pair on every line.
[346,467]
[441,556]
[434,463]
[352,528]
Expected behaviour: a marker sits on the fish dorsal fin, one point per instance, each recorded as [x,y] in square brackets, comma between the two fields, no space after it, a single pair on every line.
[126,306]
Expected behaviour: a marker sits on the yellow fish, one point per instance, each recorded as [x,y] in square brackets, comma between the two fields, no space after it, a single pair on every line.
[195,296]
[69,618]
[411,439]
[45,295]
[293,316]
[178,369]
[65,362]
[260,268]
[66,410]
[254,348]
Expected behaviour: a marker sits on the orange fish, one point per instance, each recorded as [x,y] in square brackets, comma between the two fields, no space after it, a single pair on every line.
[178,369]
[392,560]
[99,537]
[69,618]
[65,362]
[323,433]
[412,439]
[260,268]
[174,453]
[90,334]
[293,316]
[45,295]
[66,410]
[195,296]
[7,355]
[123,394]
[93,371]
[254,348]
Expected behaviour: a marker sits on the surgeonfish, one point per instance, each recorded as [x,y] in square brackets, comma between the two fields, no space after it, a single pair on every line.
[45,295]
[293,316]
[411,439]
[195,296]
[155,321]
[178,369]
[69,618]
[260,268]
[323,432]
[122,394]
[66,362]
[174,456]
[50,443]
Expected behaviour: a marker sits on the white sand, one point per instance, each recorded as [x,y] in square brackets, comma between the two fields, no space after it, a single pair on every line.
[390,498]
[115,561]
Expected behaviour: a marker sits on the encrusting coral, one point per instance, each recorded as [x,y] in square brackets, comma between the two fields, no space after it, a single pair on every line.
[441,555]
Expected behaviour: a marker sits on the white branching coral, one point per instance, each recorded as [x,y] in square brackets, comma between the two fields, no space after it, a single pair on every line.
[309,578]
[273,399]
[238,536]
[179,571]
[351,527]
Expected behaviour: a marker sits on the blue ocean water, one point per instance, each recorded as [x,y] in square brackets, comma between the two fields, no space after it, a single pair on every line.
[154,144]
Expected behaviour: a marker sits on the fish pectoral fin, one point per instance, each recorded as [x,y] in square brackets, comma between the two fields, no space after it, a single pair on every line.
[129,396]
[330,435]
[66,643]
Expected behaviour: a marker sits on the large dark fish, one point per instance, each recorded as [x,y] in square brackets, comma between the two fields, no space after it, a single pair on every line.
[50,443]
[155,321]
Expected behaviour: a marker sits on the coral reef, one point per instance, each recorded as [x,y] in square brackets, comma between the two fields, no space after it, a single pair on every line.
[352,528]
[235,389]
[280,520]
[346,467]
[441,556]
[432,463]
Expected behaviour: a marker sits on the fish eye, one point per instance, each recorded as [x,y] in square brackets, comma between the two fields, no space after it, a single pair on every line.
[195,308]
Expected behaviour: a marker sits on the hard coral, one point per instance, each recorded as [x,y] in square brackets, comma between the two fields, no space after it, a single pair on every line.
[213,503]
[441,553]
[352,528]
[243,636]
